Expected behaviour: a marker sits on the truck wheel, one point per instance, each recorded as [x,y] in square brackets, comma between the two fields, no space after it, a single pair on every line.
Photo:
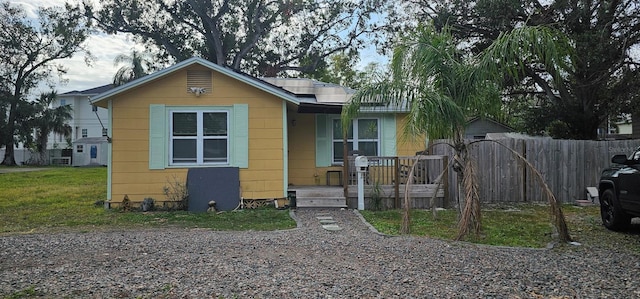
[612,215]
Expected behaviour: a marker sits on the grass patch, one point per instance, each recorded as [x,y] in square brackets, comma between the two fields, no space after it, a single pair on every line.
[521,225]
[61,198]
[261,219]
[586,227]
[26,293]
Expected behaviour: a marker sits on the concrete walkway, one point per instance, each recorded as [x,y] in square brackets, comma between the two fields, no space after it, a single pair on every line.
[19,169]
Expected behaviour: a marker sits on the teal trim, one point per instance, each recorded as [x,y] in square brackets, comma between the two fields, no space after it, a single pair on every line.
[323,141]
[197,108]
[109,148]
[157,136]
[255,82]
[285,149]
[388,138]
[240,136]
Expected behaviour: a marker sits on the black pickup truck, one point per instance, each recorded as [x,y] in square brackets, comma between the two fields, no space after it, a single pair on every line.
[619,191]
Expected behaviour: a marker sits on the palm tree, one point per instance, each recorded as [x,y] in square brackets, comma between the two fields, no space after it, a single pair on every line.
[440,88]
[49,120]
[137,65]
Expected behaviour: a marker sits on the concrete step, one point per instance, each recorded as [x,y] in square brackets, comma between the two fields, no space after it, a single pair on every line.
[321,202]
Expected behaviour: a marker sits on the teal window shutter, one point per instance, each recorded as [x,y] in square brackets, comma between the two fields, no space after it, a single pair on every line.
[240,139]
[157,137]
[388,138]
[323,141]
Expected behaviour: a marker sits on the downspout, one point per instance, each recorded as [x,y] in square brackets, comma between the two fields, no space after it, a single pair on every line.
[285,150]
[345,166]
[109,149]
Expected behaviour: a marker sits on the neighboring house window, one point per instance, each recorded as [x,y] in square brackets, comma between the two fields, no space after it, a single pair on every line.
[199,137]
[84,133]
[105,132]
[63,102]
[79,148]
[362,136]
[94,108]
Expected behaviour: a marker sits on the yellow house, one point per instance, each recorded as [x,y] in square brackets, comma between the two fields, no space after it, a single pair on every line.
[277,133]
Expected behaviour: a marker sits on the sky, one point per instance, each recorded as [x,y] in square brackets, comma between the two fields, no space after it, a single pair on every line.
[104,48]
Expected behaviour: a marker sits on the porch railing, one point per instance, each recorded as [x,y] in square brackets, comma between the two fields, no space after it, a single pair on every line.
[391,174]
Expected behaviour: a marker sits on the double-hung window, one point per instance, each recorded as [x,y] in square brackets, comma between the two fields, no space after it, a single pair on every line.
[362,136]
[199,137]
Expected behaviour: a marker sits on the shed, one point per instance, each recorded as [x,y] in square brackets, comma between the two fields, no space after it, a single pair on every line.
[478,128]
[90,151]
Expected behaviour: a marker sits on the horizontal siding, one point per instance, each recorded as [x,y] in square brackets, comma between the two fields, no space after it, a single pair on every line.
[268,154]
[407,146]
[302,149]
[130,126]
[266,143]
[151,177]
[132,133]
[130,143]
[129,155]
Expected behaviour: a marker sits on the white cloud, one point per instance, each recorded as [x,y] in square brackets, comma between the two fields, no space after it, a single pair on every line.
[103,48]
[100,71]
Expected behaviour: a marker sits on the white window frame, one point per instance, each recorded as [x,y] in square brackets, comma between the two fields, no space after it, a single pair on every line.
[199,137]
[85,133]
[355,140]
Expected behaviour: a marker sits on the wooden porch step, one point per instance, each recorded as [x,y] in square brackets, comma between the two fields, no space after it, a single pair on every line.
[321,202]
[320,192]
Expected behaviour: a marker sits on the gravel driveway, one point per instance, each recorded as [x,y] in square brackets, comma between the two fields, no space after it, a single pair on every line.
[307,262]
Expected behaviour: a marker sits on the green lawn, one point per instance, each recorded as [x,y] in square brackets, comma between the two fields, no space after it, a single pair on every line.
[520,225]
[64,198]
[61,199]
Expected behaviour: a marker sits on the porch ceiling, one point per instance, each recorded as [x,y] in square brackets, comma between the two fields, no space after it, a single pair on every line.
[319,108]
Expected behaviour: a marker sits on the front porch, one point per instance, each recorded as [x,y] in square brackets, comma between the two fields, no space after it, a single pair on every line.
[386,181]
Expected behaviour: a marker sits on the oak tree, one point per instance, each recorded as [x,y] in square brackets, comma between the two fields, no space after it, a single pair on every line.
[603,82]
[29,50]
[260,37]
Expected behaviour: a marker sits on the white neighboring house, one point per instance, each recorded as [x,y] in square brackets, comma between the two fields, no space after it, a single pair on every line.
[84,124]
[88,127]
[86,118]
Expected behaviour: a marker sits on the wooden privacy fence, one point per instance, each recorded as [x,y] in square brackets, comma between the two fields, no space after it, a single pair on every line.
[567,166]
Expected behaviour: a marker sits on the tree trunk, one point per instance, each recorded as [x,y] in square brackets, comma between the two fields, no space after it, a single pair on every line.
[9,153]
[460,158]
[42,148]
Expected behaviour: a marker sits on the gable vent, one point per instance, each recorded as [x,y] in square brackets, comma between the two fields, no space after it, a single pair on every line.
[199,79]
